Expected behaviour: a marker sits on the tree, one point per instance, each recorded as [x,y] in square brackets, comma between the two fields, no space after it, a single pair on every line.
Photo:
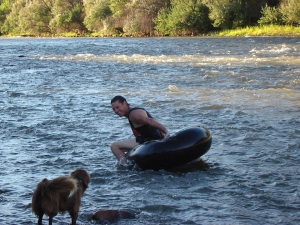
[228,14]
[68,15]
[12,19]
[34,17]
[290,10]
[184,16]
[140,16]
[97,12]
[5,9]
[271,15]
[118,7]
[133,17]
[37,17]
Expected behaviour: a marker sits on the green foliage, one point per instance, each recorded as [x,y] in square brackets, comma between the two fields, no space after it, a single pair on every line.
[291,12]
[183,16]
[221,12]
[96,11]
[228,14]
[5,9]
[12,19]
[34,18]
[118,6]
[141,17]
[231,14]
[163,24]
[69,15]
[265,30]
[270,15]
[287,13]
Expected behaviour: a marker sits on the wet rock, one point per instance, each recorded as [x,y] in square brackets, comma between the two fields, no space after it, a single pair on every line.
[112,215]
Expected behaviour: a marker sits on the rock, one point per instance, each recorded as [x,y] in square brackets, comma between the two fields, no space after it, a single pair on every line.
[112,215]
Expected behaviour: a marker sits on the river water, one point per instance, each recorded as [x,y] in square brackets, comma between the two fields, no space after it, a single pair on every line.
[55,116]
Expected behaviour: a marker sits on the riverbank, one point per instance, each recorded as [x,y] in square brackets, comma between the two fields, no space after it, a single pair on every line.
[271,30]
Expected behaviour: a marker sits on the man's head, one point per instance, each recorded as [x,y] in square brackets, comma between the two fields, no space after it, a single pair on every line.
[120,105]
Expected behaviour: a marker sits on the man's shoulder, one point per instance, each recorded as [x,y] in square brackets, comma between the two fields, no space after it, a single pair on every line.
[137,111]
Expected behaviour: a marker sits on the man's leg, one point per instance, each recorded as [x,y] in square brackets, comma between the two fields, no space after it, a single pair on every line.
[119,148]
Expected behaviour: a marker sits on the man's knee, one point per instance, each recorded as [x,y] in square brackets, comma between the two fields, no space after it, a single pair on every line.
[114,145]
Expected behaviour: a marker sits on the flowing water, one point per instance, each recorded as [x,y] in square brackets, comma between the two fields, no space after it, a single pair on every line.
[55,116]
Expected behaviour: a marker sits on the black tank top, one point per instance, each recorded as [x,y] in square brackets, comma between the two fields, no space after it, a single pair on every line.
[146,132]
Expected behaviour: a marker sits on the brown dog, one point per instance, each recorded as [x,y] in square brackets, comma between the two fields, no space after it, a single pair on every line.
[59,195]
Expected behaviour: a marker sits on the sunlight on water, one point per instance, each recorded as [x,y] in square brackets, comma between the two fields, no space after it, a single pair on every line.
[270,98]
[173,88]
[275,50]
[184,60]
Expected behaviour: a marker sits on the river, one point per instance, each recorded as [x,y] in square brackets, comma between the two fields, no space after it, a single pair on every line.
[55,116]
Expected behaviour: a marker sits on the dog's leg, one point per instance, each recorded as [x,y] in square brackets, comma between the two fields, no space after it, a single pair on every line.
[40,221]
[50,220]
[74,216]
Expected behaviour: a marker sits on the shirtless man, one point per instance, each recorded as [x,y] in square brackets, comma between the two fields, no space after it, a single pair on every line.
[143,126]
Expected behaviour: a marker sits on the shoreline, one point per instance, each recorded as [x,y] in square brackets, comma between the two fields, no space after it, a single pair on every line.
[211,36]
[256,31]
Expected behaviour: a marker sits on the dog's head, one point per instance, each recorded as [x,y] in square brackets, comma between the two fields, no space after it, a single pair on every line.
[82,176]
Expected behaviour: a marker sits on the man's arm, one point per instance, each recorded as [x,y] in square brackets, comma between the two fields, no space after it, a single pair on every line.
[139,118]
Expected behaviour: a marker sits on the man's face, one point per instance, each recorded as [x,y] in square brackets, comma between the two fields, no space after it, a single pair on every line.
[119,108]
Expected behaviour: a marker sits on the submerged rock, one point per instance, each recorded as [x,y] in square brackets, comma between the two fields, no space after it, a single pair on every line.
[112,215]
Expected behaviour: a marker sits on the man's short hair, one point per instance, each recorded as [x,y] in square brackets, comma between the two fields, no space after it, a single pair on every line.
[119,98]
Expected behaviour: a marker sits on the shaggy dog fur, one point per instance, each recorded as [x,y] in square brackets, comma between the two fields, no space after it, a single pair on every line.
[59,195]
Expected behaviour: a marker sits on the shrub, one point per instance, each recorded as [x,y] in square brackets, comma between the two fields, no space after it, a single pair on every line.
[290,12]
[270,16]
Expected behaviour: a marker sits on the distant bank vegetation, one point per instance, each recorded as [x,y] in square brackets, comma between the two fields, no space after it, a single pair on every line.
[148,17]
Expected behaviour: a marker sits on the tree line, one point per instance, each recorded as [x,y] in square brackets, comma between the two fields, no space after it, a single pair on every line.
[141,17]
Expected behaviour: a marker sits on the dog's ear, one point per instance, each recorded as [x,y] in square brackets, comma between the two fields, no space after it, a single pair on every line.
[85,182]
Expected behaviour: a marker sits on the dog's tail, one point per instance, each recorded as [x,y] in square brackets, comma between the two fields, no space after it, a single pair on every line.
[49,193]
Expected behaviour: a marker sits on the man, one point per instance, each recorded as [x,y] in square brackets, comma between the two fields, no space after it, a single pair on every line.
[144,127]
